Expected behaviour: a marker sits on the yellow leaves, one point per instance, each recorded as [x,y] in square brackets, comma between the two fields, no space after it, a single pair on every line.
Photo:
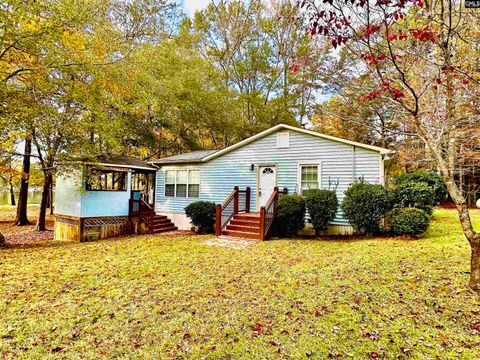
[75,41]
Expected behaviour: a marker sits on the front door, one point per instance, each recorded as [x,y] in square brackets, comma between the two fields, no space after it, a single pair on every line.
[267,178]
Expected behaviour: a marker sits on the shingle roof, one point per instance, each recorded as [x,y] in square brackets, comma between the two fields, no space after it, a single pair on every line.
[194,156]
[120,160]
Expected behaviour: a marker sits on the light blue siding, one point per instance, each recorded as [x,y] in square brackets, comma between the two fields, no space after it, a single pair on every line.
[339,162]
[72,199]
[106,203]
[68,193]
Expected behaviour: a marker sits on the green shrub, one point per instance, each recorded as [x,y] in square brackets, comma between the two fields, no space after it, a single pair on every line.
[202,214]
[290,215]
[365,205]
[432,179]
[408,221]
[322,206]
[414,194]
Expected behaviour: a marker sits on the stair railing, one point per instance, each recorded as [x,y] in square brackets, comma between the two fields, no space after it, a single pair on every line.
[268,213]
[237,201]
[144,211]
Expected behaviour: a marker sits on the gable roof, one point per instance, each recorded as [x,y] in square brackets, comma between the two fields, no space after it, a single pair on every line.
[207,155]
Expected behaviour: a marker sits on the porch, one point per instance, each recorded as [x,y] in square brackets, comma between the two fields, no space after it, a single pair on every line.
[235,218]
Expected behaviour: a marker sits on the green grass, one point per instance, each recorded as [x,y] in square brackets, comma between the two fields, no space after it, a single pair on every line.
[174,297]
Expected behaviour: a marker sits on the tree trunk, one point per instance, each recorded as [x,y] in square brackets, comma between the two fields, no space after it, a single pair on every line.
[50,196]
[44,202]
[21,218]
[467,227]
[12,193]
[475,268]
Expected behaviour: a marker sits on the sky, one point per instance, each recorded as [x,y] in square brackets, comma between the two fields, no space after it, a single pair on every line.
[191,6]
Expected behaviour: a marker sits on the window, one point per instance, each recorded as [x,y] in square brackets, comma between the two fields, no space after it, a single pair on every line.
[308,178]
[106,180]
[283,139]
[193,184]
[170,183]
[182,183]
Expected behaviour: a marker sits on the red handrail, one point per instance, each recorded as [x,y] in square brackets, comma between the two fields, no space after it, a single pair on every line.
[268,212]
[221,208]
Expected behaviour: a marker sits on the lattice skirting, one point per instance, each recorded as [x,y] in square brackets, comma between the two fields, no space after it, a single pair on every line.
[104,222]
[67,221]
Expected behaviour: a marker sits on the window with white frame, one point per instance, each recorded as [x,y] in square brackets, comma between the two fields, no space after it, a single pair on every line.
[182,183]
[309,178]
[283,139]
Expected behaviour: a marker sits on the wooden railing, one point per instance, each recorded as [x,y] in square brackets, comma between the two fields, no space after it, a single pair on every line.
[144,211]
[268,212]
[238,201]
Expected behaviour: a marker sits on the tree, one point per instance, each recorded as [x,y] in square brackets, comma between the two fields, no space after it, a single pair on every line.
[274,68]
[423,57]
[21,218]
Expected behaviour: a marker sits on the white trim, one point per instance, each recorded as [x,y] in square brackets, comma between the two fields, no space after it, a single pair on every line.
[292,128]
[120,165]
[257,203]
[176,169]
[381,178]
[299,173]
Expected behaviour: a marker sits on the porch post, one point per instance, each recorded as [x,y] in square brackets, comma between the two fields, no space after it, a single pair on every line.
[235,200]
[262,223]
[247,200]
[218,220]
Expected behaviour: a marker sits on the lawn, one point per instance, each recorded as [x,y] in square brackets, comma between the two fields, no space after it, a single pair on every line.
[175,297]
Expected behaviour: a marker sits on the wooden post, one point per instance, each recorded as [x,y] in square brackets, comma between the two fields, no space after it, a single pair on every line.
[218,220]
[247,200]
[235,200]
[152,214]
[262,223]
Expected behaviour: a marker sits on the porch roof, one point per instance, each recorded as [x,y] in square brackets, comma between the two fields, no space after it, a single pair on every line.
[120,161]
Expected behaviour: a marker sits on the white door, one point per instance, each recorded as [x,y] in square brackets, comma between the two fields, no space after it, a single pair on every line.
[267,179]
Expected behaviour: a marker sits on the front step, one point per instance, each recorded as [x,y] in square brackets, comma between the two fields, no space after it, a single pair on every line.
[245,226]
[162,223]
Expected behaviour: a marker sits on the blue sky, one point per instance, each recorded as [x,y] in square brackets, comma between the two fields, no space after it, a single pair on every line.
[191,6]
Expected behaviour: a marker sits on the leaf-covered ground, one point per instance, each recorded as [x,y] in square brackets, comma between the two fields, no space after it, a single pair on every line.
[22,235]
[175,297]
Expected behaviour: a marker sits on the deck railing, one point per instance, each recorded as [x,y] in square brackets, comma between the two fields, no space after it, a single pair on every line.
[268,212]
[238,201]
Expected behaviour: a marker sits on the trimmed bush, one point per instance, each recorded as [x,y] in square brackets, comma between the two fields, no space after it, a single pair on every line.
[365,205]
[202,214]
[432,179]
[322,206]
[290,215]
[409,221]
[414,194]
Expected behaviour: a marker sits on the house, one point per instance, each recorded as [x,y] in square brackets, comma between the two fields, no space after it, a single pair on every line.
[244,179]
